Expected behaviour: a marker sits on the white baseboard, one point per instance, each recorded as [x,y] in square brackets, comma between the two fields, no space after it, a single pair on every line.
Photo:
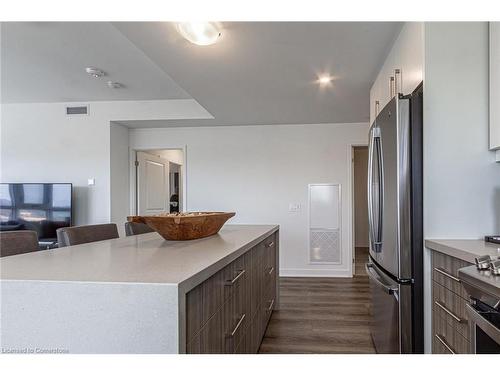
[301,272]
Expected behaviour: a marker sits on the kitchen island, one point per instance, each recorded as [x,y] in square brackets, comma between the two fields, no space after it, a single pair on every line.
[142,294]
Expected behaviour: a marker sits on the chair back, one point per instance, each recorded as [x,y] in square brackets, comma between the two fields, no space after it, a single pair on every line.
[132,229]
[18,242]
[86,233]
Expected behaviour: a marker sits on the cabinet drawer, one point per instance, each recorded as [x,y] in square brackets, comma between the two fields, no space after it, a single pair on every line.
[268,305]
[270,242]
[235,319]
[229,312]
[440,346]
[224,331]
[448,337]
[207,298]
[244,345]
[445,272]
[269,278]
[269,257]
[210,339]
[255,331]
[451,307]
[256,280]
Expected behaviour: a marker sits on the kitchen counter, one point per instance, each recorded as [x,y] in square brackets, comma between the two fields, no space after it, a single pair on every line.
[465,250]
[125,295]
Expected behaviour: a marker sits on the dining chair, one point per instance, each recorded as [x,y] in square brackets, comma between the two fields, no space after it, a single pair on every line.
[70,236]
[132,229]
[18,242]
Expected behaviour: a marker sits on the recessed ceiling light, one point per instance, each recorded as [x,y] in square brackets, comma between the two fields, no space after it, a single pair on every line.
[325,79]
[94,72]
[200,33]
[114,85]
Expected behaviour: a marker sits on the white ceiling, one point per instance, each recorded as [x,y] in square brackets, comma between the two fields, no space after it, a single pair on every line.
[258,73]
[45,62]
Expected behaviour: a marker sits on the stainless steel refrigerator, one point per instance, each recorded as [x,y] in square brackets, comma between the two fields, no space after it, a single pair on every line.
[395,225]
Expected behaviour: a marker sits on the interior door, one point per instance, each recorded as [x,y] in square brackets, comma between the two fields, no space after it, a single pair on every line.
[152,184]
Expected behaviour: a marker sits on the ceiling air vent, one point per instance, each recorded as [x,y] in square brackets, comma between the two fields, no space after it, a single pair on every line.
[79,110]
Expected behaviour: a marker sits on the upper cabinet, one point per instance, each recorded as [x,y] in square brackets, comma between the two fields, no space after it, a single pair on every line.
[406,55]
[495,86]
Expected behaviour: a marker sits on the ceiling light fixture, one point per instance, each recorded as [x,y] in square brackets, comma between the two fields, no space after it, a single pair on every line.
[200,33]
[94,72]
[114,85]
[325,79]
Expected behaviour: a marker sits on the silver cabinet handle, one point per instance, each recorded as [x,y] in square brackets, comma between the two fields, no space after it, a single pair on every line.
[271,305]
[444,273]
[392,87]
[449,312]
[271,270]
[231,282]
[270,244]
[441,340]
[398,82]
[237,326]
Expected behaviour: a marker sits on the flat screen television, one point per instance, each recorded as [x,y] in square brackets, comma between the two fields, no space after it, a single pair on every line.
[36,206]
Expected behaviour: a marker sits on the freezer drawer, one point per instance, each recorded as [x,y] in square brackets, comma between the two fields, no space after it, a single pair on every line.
[391,327]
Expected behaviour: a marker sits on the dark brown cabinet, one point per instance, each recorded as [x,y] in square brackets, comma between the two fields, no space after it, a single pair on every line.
[229,312]
[449,321]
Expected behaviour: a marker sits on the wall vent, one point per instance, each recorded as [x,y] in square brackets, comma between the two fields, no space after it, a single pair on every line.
[78,110]
[325,224]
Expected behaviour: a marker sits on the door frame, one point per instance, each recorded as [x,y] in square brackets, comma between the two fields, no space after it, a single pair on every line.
[133,175]
[352,217]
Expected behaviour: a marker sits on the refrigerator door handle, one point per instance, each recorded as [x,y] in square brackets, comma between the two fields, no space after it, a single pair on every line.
[380,169]
[373,275]
[375,226]
[370,190]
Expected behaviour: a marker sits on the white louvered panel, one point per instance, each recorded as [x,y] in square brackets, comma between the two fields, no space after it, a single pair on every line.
[324,224]
[324,246]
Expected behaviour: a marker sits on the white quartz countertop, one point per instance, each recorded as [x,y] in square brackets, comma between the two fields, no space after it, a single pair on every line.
[146,258]
[466,250]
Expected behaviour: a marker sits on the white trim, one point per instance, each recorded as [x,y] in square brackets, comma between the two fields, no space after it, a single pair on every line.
[350,207]
[309,272]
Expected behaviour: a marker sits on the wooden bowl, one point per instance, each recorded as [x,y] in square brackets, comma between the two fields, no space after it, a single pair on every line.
[185,226]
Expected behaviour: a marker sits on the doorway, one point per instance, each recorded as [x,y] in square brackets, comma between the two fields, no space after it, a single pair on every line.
[159,181]
[360,208]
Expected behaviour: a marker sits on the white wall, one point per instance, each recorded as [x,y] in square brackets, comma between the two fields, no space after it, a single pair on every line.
[257,171]
[119,175]
[39,143]
[461,179]
[407,54]
[174,156]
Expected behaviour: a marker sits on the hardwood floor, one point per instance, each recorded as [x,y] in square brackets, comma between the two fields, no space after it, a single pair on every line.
[321,315]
